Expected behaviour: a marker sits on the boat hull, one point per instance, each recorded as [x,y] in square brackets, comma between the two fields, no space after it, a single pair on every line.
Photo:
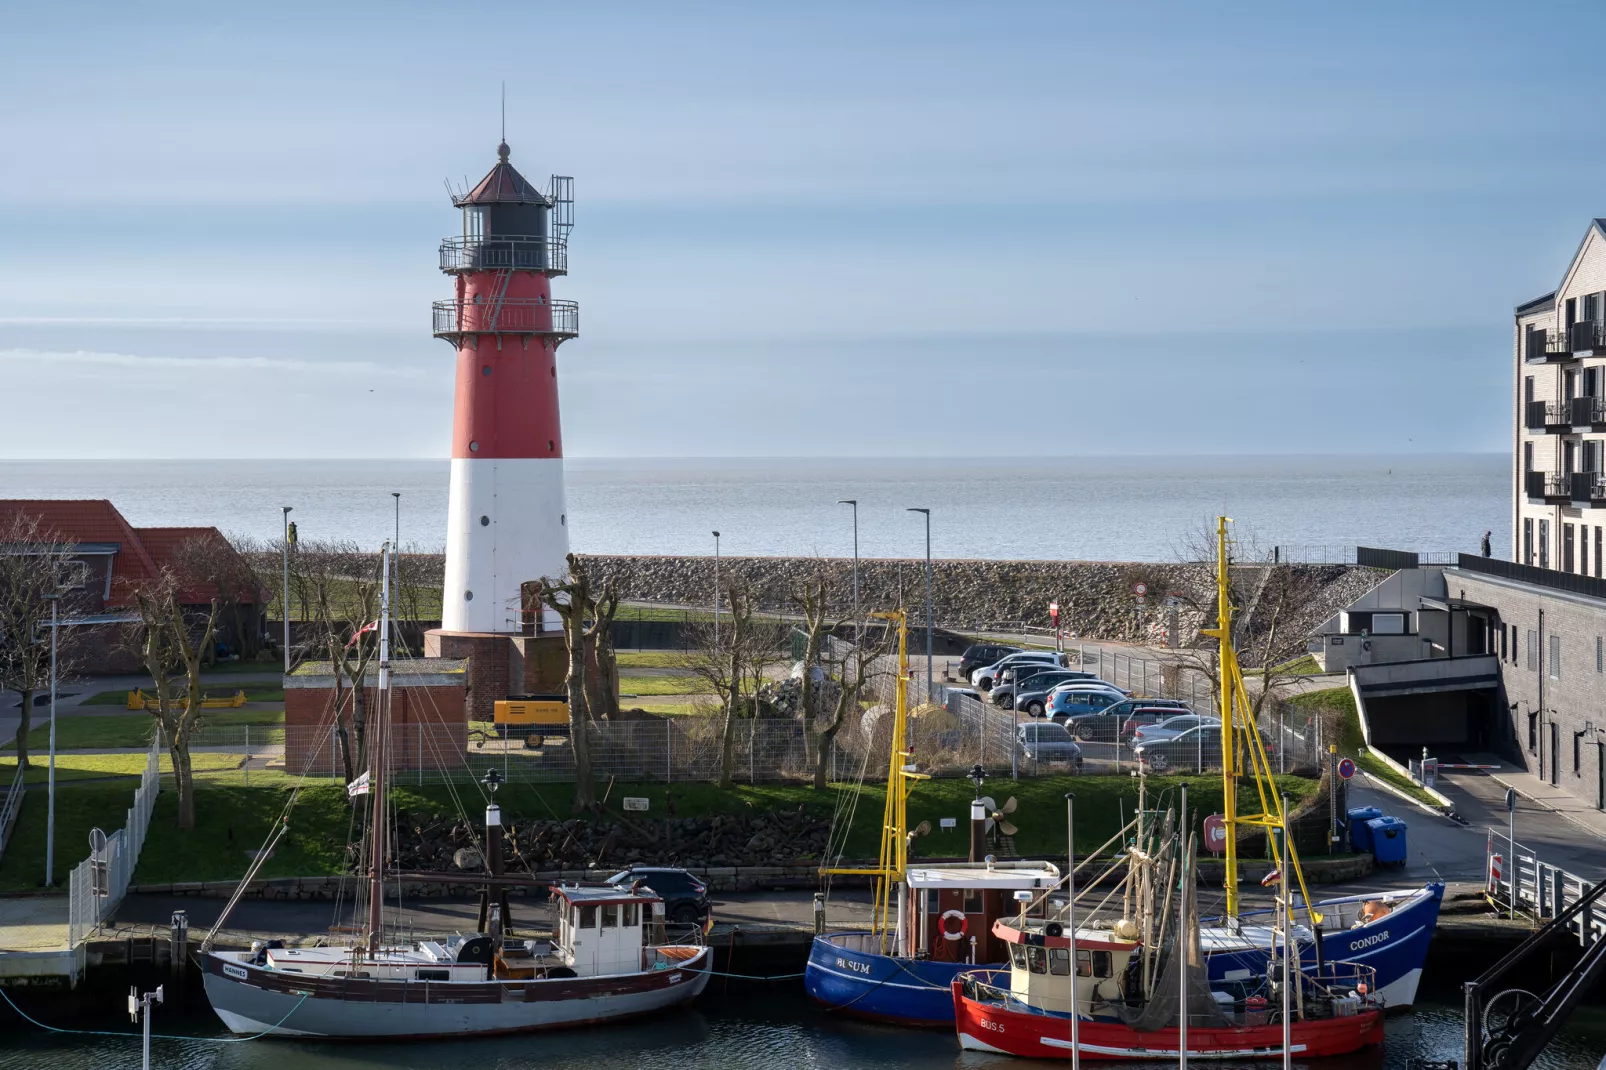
[1395,946]
[883,988]
[251,999]
[995,1028]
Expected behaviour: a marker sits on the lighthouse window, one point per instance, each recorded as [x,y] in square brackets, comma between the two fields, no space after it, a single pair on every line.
[551,445]
[563,520]
[468,596]
[485,370]
[473,447]
[485,521]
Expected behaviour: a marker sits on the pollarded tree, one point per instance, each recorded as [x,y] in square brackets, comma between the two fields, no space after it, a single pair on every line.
[570,597]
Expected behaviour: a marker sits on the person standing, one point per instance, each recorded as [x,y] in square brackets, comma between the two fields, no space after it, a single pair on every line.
[1488,550]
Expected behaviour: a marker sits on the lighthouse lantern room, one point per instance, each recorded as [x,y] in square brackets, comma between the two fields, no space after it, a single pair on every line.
[507,523]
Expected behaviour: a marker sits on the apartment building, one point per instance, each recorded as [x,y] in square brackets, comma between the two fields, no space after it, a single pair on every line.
[1559,489]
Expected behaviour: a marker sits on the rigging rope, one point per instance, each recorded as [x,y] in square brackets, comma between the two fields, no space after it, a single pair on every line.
[156,1036]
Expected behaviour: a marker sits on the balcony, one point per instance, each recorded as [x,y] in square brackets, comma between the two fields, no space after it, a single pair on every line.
[1546,488]
[1546,347]
[1551,417]
[554,319]
[1589,414]
[1588,488]
[506,252]
[1587,339]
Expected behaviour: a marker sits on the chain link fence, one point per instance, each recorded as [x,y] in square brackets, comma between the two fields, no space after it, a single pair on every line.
[97,884]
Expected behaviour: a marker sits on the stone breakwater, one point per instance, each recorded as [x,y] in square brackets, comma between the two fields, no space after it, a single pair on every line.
[1096,598]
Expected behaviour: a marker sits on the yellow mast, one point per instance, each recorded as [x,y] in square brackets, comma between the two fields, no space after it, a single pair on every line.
[1240,739]
[901,778]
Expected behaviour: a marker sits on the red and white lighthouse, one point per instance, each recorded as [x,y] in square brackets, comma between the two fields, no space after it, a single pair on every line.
[507,522]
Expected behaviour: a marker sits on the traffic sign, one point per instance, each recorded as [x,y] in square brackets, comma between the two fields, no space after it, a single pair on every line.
[1511,800]
[1054,611]
[1215,834]
[1346,768]
[1140,589]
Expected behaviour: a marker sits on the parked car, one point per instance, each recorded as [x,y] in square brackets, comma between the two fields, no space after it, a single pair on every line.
[1064,704]
[1082,685]
[1171,727]
[1032,697]
[987,676]
[1045,741]
[1037,678]
[1197,748]
[1177,706]
[980,655]
[1120,727]
[685,896]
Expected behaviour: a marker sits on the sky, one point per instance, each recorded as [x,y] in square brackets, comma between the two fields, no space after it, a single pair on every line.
[856,229]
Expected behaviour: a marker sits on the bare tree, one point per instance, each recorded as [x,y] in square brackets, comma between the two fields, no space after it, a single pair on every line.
[603,668]
[35,563]
[811,596]
[570,597]
[224,566]
[340,584]
[733,662]
[853,666]
[173,640]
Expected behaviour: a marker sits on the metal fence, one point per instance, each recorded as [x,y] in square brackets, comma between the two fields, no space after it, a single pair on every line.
[97,883]
[1516,878]
[9,809]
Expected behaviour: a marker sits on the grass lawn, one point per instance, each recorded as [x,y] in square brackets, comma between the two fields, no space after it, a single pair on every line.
[79,808]
[90,766]
[133,729]
[651,659]
[253,693]
[233,818]
[667,709]
[661,685]
[1338,702]
[1304,664]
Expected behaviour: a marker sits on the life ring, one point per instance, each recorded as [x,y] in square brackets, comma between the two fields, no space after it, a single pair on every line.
[953,934]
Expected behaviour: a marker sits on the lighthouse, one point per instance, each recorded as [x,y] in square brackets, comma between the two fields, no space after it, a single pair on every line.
[506,519]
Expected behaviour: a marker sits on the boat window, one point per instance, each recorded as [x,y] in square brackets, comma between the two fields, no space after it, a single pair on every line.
[630,918]
[588,917]
[972,902]
[433,975]
[1084,963]
[1017,955]
[610,916]
[1101,964]
[1038,960]
[1059,961]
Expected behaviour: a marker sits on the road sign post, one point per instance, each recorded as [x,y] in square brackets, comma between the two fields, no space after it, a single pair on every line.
[1511,846]
[1333,766]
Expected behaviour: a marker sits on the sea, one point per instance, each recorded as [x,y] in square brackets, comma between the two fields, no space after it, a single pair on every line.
[1315,507]
[745,1026]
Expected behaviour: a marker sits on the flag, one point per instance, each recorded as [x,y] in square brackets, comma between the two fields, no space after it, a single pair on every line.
[357,787]
[372,625]
[1271,878]
[708,926]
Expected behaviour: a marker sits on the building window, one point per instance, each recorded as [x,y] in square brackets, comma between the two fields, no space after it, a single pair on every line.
[1528,397]
[1527,540]
[1578,758]
[1544,543]
[1555,657]
[1597,551]
[1533,732]
[1583,549]
[1600,655]
[1533,650]
[1567,547]
[1502,628]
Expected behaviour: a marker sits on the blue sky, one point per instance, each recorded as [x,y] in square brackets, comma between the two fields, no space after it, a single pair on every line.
[850,229]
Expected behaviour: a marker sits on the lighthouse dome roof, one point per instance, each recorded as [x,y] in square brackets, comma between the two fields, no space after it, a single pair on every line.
[503,185]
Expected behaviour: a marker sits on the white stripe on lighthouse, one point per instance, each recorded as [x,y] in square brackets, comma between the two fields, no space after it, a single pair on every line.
[506,525]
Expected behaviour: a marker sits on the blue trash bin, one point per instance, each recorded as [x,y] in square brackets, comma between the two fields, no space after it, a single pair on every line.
[1388,840]
[1360,837]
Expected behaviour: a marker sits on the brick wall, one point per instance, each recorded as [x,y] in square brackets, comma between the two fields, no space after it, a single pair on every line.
[429,726]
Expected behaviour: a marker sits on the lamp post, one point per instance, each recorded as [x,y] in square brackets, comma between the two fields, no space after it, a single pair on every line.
[284,608]
[716,590]
[927,513]
[855,503]
[54,597]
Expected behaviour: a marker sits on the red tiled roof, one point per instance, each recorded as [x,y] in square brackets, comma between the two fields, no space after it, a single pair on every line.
[142,553]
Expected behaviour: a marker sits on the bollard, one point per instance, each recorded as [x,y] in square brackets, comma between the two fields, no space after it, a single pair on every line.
[178,939]
[819,913]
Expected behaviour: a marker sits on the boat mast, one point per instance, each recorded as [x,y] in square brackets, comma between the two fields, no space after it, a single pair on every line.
[1222,632]
[376,769]
[900,781]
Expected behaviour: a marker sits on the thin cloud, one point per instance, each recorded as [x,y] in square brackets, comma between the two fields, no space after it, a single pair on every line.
[134,361]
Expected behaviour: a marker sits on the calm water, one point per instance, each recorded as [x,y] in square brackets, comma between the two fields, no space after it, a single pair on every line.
[764,1028]
[1092,509]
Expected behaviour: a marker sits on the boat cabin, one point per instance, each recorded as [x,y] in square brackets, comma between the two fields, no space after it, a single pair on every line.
[462,958]
[951,909]
[1040,971]
[603,929]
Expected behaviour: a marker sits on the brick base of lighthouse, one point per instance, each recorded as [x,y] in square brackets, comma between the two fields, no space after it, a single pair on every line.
[502,664]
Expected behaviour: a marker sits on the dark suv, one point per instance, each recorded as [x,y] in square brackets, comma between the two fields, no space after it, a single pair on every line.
[982,654]
[685,897]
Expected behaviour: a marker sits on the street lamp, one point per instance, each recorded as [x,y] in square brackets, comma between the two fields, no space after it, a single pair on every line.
[54,598]
[397,495]
[716,590]
[927,513]
[284,608]
[855,503]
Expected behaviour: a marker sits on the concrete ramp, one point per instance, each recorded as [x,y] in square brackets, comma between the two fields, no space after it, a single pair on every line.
[1435,702]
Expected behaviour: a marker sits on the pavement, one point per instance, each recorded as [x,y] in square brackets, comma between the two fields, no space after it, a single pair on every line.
[33,923]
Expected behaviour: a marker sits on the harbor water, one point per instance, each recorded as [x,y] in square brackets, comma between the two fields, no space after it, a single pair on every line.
[1041,508]
[748,1027]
